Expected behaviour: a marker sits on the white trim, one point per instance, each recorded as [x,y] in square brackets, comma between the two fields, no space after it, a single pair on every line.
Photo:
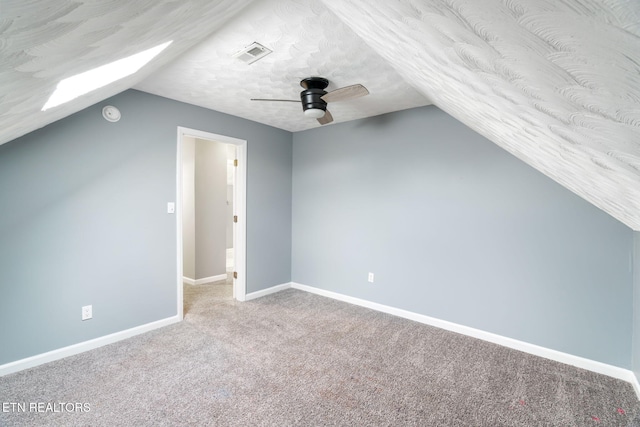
[60,353]
[217,278]
[210,279]
[179,266]
[240,203]
[264,292]
[240,228]
[558,356]
[634,382]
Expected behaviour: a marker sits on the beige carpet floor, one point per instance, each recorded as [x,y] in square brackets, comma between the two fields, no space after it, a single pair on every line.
[297,359]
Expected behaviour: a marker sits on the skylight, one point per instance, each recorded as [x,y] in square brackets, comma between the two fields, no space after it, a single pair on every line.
[75,86]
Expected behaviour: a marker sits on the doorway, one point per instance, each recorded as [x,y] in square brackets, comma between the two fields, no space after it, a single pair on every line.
[221,220]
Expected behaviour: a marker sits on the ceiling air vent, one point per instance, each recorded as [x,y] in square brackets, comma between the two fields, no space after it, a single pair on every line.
[252,53]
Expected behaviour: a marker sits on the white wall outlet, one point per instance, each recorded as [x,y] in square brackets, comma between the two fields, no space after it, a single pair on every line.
[87,312]
[171,207]
[370,279]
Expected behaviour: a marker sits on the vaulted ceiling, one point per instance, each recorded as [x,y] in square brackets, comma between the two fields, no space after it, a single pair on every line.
[555,82]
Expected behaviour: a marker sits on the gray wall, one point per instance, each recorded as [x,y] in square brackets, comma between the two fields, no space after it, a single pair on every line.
[269,216]
[229,220]
[84,220]
[456,228]
[210,208]
[231,156]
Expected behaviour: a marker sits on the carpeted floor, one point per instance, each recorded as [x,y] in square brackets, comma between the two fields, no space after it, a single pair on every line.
[298,359]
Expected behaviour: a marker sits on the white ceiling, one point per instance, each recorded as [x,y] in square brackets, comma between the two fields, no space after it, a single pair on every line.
[307,40]
[555,82]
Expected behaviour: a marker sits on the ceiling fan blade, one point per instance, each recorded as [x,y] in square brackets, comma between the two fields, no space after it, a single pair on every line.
[327,118]
[277,100]
[345,93]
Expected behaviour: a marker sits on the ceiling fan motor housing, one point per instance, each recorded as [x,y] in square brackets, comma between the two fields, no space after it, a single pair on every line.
[311,96]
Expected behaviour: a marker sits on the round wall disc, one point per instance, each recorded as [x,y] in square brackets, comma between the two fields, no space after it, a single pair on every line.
[111,113]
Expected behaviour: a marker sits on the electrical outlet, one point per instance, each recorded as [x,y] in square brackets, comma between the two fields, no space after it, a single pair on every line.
[87,312]
[370,279]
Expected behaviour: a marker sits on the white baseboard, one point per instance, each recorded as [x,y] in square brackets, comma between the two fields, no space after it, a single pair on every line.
[50,356]
[271,290]
[190,281]
[634,382]
[558,356]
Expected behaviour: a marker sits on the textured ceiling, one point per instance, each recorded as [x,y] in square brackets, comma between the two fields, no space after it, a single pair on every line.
[555,82]
[307,40]
[45,41]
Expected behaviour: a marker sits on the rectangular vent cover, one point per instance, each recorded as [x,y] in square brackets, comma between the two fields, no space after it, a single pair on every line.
[252,53]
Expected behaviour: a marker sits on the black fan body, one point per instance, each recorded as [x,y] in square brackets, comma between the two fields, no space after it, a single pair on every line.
[314,90]
[314,97]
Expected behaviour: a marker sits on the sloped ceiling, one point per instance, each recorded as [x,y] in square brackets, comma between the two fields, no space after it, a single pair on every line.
[45,41]
[555,82]
[307,40]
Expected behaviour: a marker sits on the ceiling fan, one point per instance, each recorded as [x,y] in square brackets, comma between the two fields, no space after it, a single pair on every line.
[314,98]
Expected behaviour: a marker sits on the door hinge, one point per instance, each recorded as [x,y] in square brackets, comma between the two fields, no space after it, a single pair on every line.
[235,274]
[235,218]
[235,162]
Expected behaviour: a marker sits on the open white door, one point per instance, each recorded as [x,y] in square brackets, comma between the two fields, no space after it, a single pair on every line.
[239,203]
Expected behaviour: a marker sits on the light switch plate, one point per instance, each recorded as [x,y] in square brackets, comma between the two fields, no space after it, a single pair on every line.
[171,207]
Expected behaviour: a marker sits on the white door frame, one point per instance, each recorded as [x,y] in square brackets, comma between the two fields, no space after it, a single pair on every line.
[239,207]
